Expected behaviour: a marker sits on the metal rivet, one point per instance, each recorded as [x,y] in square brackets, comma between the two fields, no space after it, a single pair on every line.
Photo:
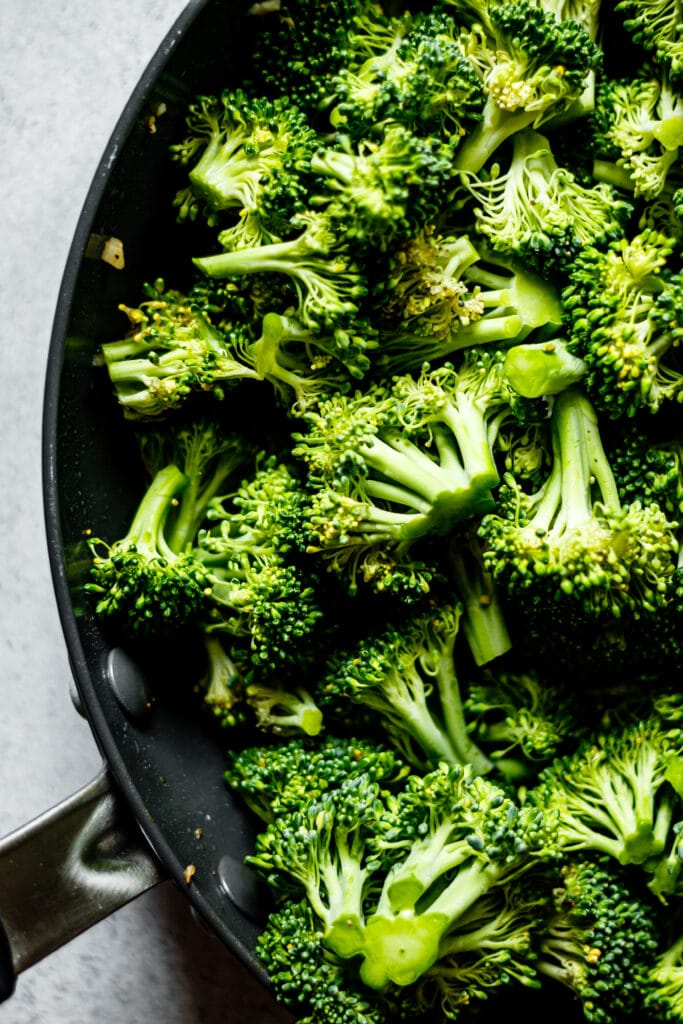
[245,889]
[128,683]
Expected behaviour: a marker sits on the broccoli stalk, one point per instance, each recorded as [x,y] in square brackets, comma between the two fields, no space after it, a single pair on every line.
[221,686]
[535,369]
[483,621]
[284,712]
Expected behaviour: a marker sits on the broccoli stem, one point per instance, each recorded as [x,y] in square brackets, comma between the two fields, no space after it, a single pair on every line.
[147,530]
[483,622]
[496,126]
[466,750]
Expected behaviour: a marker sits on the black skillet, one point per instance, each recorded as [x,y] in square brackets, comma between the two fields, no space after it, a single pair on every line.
[160,808]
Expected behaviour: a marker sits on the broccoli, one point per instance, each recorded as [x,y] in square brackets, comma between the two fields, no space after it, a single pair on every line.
[484,626]
[538,211]
[655,25]
[407,677]
[571,547]
[248,549]
[622,312]
[665,989]
[275,780]
[284,712]
[638,131]
[536,369]
[406,460]
[493,949]
[221,685]
[308,977]
[383,189]
[612,793]
[601,941]
[462,838]
[521,720]
[329,283]
[245,155]
[299,46]
[172,352]
[532,67]
[414,73]
[441,294]
[150,579]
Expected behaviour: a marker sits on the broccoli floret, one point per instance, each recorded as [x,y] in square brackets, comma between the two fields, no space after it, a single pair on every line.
[415,74]
[150,580]
[404,460]
[622,310]
[532,67]
[406,676]
[301,44]
[538,211]
[462,838]
[665,990]
[601,941]
[172,351]
[222,685]
[257,591]
[245,155]
[323,850]
[522,720]
[441,294]
[655,25]
[638,131]
[382,189]
[612,793]
[277,779]
[311,981]
[329,283]
[493,950]
[284,712]
[571,547]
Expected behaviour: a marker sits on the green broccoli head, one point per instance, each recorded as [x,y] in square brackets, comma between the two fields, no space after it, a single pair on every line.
[612,793]
[601,940]
[247,155]
[538,211]
[172,351]
[415,75]
[532,67]
[571,547]
[622,310]
[406,676]
[638,131]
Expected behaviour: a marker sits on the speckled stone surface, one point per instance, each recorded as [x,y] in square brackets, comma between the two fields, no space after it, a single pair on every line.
[67,68]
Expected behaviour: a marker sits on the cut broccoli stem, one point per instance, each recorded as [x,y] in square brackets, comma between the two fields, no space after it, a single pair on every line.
[542,368]
[465,749]
[483,622]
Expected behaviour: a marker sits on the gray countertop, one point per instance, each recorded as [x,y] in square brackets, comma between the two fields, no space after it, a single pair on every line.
[67,67]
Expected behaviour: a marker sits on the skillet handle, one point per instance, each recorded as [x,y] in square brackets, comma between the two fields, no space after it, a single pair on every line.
[61,873]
